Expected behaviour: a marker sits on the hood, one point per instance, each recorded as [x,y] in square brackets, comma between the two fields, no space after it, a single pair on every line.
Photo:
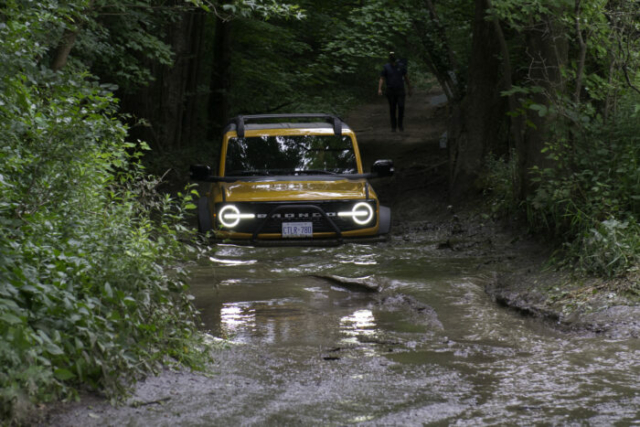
[263,191]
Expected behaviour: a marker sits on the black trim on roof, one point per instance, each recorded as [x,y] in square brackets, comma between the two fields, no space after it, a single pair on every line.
[240,121]
[275,178]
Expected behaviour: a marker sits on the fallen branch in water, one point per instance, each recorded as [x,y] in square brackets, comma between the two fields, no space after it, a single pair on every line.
[138,404]
[362,284]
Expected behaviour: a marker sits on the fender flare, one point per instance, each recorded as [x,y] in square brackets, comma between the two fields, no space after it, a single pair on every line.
[204,215]
[385,220]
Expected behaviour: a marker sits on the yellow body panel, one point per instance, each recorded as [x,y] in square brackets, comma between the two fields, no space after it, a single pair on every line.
[242,191]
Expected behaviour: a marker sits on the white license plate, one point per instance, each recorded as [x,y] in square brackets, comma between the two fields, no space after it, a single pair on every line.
[297,229]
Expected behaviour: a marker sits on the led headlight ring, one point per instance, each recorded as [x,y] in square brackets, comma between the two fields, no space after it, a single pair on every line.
[229,216]
[362,213]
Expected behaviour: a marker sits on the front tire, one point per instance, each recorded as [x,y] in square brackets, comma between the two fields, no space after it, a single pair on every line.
[385,220]
[204,215]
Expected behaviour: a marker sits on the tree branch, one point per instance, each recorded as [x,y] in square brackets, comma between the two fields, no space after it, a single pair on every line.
[67,42]
[64,49]
[581,55]
[443,34]
[516,125]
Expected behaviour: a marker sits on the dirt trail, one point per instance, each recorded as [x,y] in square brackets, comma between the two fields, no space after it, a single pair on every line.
[418,190]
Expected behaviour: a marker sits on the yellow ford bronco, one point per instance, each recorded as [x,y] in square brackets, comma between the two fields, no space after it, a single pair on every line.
[298,179]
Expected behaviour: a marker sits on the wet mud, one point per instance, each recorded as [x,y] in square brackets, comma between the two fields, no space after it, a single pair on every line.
[419,330]
[430,346]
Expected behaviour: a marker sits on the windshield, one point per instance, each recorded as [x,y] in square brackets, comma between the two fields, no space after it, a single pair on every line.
[294,154]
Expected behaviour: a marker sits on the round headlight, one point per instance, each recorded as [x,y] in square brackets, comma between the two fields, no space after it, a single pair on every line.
[229,216]
[362,213]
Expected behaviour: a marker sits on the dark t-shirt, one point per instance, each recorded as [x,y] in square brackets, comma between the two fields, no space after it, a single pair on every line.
[394,76]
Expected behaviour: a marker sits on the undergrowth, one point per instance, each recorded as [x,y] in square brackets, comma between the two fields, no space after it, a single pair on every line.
[589,200]
[92,293]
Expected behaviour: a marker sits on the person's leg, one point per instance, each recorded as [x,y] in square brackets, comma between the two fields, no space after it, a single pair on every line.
[393,103]
[401,112]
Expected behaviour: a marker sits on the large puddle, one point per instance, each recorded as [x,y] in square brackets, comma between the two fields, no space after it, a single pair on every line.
[431,347]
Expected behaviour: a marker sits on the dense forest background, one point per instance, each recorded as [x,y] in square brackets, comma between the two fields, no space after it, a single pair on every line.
[99,97]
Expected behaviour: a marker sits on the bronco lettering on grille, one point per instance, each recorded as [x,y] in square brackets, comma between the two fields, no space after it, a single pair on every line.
[297,215]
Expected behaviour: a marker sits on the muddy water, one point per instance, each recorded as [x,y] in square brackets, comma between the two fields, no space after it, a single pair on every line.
[431,347]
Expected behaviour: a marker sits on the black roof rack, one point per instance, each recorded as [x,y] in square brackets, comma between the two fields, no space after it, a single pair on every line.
[241,120]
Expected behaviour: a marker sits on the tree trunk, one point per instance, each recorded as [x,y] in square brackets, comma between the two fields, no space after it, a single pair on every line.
[516,122]
[442,33]
[220,78]
[581,55]
[548,49]
[194,126]
[172,105]
[63,50]
[431,56]
[68,40]
[173,84]
[478,124]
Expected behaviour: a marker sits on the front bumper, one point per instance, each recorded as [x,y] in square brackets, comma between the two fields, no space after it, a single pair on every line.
[327,242]
[327,219]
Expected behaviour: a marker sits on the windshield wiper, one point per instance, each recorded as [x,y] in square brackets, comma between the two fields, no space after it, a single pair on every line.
[315,171]
[283,172]
[248,173]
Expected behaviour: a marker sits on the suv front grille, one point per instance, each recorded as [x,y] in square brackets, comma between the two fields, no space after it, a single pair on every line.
[318,213]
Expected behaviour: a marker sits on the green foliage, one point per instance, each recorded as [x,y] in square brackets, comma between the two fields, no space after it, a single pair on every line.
[122,40]
[499,183]
[365,37]
[520,14]
[585,192]
[443,40]
[591,197]
[265,70]
[91,292]
[311,64]
[264,9]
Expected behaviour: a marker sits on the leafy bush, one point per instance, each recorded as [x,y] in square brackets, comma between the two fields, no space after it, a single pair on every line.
[88,290]
[591,198]
[500,184]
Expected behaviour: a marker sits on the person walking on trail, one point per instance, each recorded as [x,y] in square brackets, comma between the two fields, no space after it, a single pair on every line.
[395,76]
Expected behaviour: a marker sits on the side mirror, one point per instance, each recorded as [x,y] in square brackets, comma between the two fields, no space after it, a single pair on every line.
[200,172]
[382,168]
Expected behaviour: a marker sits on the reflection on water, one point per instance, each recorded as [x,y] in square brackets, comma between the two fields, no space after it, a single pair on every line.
[231,262]
[235,318]
[358,259]
[361,322]
[442,350]
[358,328]
[245,321]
